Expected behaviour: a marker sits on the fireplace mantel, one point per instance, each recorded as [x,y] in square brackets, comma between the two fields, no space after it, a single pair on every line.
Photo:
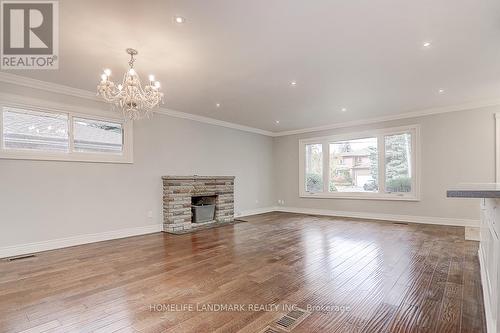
[177,195]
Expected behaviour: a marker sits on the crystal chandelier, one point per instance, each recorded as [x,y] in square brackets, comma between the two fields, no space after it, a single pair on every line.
[135,101]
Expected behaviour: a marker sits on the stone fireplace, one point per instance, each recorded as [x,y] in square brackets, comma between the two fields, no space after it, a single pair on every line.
[180,192]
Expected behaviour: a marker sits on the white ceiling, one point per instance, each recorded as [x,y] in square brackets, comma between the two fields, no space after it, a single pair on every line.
[365,55]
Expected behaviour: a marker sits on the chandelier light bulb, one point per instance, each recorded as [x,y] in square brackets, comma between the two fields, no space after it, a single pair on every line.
[151,78]
[131,71]
[107,71]
[104,77]
[157,84]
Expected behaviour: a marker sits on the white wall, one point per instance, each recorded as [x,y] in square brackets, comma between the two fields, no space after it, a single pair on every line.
[47,200]
[457,147]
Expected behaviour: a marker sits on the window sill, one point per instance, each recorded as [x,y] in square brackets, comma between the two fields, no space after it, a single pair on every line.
[360,196]
[73,157]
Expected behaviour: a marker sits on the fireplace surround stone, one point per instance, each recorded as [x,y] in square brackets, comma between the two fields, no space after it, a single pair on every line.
[177,197]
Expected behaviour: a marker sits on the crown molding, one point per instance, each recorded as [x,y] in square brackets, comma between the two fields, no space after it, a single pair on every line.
[21,101]
[85,94]
[46,86]
[212,121]
[406,115]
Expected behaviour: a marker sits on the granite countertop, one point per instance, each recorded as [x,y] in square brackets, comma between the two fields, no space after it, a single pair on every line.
[479,190]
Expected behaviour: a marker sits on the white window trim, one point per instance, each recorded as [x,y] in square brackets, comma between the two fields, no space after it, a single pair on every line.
[125,157]
[497,147]
[379,133]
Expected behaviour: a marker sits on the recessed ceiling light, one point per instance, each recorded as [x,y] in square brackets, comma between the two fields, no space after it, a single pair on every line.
[293,83]
[217,105]
[343,110]
[441,91]
[277,121]
[179,19]
[427,44]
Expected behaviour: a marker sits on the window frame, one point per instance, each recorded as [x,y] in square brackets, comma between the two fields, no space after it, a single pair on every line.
[21,154]
[380,134]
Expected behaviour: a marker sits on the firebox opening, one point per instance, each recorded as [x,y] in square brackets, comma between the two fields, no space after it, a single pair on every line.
[203,208]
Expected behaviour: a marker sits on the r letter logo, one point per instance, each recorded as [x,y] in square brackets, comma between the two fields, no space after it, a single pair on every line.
[30,34]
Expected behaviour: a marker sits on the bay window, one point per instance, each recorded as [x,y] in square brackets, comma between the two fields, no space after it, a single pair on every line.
[379,164]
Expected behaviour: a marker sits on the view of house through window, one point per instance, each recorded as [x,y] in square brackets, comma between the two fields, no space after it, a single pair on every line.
[378,164]
[314,168]
[354,166]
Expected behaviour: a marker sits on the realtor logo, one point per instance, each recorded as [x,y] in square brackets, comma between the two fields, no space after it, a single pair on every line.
[30,34]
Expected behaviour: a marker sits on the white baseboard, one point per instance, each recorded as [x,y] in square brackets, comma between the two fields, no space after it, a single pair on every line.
[490,322]
[256,211]
[471,226]
[472,233]
[379,216]
[15,250]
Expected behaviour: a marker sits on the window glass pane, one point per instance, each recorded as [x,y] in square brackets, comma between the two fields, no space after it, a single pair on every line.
[398,163]
[354,166]
[30,130]
[314,167]
[97,136]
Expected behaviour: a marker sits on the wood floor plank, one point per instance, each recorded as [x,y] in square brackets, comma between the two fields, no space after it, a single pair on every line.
[352,275]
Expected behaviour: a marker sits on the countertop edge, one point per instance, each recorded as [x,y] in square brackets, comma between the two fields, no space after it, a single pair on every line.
[473,194]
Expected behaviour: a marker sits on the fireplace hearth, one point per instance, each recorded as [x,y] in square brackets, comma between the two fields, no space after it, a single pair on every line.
[188,202]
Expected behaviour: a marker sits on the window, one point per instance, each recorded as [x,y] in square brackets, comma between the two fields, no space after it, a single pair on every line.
[35,131]
[314,168]
[53,135]
[358,170]
[380,164]
[97,136]
[398,163]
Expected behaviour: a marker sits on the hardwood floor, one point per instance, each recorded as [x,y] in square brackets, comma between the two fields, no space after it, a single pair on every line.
[352,276]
